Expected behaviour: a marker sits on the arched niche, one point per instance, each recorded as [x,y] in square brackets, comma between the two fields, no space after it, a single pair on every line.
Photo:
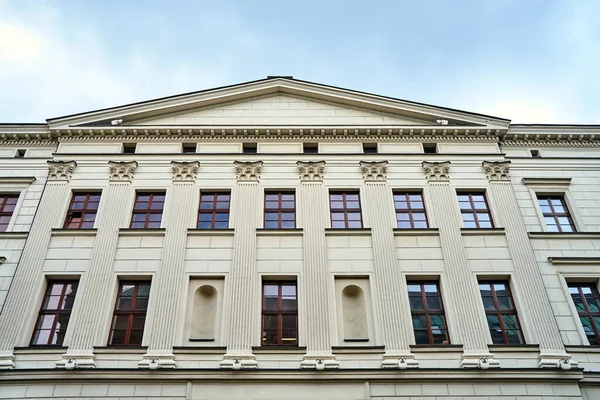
[204,313]
[354,310]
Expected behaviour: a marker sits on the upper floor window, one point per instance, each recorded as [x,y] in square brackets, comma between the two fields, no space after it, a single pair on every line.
[410,210]
[501,313]
[429,148]
[129,148]
[429,322]
[556,214]
[147,212]
[280,314]
[280,210]
[250,148]
[370,148]
[20,153]
[8,203]
[188,148]
[345,210]
[310,148]
[474,210]
[214,210]
[54,315]
[130,314]
[82,211]
[587,302]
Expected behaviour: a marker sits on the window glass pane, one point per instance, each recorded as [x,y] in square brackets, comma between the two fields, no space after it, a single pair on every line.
[271,204]
[485,224]
[556,202]
[510,321]
[493,321]
[221,225]
[480,206]
[470,224]
[272,216]
[416,204]
[414,288]
[352,205]
[221,217]
[505,303]
[477,197]
[222,205]
[465,205]
[155,217]
[420,224]
[483,217]
[287,204]
[468,217]
[135,338]
[206,217]
[421,337]
[488,303]
[416,302]
[354,216]
[287,197]
[288,216]
[41,337]
[419,322]
[338,224]
[354,224]
[514,336]
[434,302]
[404,224]
[401,205]
[403,217]
[272,197]
[289,322]
[418,216]
[337,205]
[337,216]
[288,224]
[270,337]
[271,224]
[335,197]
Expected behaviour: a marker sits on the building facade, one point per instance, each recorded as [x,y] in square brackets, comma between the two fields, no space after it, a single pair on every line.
[281,239]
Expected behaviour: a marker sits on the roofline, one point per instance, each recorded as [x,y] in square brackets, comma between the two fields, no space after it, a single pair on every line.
[557,126]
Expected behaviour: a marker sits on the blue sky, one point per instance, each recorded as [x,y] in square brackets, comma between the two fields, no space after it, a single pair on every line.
[535,61]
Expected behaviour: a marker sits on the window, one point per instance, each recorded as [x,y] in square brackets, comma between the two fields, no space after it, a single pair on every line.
[130,314]
[427,310]
[280,314]
[370,148]
[410,210]
[535,153]
[250,148]
[214,211]
[20,153]
[556,214]
[345,210]
[430,148]
[129,148]
[188,148]
[7,207]
[587,302]
[147,212]
[54,315]
[310,148]
[474,210]
[82,211]
[501,313]
[280,210]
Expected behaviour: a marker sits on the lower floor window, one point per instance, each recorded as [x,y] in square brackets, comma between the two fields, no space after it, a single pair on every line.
[501,313]
[280,314]
[587,302]
[429,322]
[130,314]
[55,312]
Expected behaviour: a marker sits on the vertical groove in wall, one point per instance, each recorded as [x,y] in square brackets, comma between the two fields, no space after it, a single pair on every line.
[463,290]
[95,293]
[29,274]
[169,282]
[314,274]
[527,274]
[242,290]
[394,312]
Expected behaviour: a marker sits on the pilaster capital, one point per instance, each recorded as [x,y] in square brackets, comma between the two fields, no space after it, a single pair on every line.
[436,171]
[497,170]
[60,170]
[311,170]
[374,170]
[121,171]
[248,171]
[185,171]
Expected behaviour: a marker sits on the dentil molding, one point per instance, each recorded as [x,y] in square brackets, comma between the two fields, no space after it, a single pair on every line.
[60,170]
[248,171]
[311,170]
[497,170]
[374,171]
[184,171]
[436,171]
[122,171]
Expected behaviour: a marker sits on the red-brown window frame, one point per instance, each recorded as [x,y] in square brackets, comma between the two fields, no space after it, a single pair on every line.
[85,210]
[280,312]
[56,312]
[474,211]
[427,311]
[131,313]
[345,210]
[499,312]
[147,211]
[3,203]
[214,210]
[409,210]
[279,210]
[587,313]
[557,215]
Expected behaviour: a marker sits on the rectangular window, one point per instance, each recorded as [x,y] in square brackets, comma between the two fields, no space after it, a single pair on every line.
[410,210]
[280,210]
[54,315]
[82,210]
[214,210]
[8,203]
[250,148]
[188,148]
[427,310]
[474,210]
[147,212]
[370,148]
[345,210]
[280,314]
[587,302]
[129,148]
[501,312]
[20,153]
[429,148]
[130,314]
[556,214]
[310,148]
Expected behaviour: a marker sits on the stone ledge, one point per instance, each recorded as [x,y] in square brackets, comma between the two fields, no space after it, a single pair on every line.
[199,350]
[348,232]
[40,350]
[74,232]
[547,181]
[18,180]
[507,348]
[564,235]
[583,349]
[210,232]
[416,232]
[279,232]
[574,260]
[142,232]
[13,235]
[120,350]
[482,231]
[433,348]
[279,349]
[358,349]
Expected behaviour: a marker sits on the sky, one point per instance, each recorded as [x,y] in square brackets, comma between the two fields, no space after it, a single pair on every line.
[534,61]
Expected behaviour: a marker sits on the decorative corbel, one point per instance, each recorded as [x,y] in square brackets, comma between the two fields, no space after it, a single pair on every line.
[311,170]
[60,170]
[121,171]
[248,171]
[184,171]
[436,171]
[374,171]
[497,170]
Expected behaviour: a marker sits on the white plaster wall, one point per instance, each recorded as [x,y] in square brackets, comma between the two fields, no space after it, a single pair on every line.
[279,254]
[350,254]
[139,253]
[208,254]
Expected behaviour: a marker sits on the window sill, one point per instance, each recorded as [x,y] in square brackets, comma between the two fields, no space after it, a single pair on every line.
[279,349]
[574,260]
[356,340]
[41,349]
[358,349]
[416,232]
[564,235]
[142,232]
[514,348]
[436,348]
[201,340]
[482,231]
[348,232]
[120,349]
[13,235]
[279,232]
[590,348]
[74,232]
[210,232]
[200,349]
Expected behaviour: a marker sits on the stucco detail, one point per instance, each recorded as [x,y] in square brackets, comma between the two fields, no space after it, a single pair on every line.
[436,171]
[248,171]
[185,171]
[497,170]
[374,171]
[60,170]
[121,170]
[311,170]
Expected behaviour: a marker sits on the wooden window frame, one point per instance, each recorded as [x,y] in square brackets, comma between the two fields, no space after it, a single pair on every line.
[56,312]
[147,211]
[83,211]
[426,311]
[280,312]
[587,313]
[500,312]
[3,203]
[345,210]
[474,211]
[214,210]
[132,312]
[279,210]
[554,214]
[410,210]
